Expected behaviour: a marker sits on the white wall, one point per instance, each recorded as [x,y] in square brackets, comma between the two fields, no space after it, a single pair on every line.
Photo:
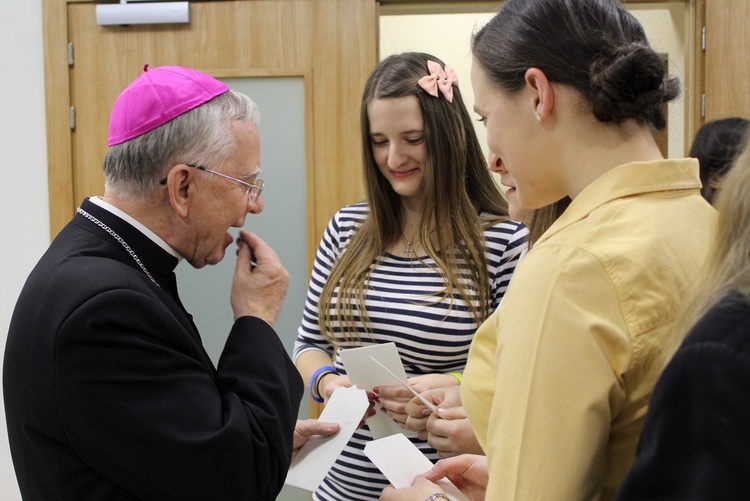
[23,164]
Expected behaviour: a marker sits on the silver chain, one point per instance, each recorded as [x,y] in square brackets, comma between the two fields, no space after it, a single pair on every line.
[119,239]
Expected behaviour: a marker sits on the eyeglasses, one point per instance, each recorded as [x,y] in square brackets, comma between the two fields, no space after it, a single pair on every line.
[252,190]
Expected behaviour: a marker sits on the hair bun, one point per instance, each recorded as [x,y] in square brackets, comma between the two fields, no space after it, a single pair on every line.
[631,82]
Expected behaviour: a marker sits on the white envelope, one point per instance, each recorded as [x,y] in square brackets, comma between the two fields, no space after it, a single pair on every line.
[345,407]
[400,461]
[367,374]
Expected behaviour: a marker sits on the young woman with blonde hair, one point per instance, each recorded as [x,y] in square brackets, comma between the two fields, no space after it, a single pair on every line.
[695,443]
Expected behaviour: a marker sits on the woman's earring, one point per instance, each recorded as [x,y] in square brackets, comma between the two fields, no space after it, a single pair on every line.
[538,117]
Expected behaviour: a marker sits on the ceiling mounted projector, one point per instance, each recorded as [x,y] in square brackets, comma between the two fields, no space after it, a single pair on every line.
[143,13]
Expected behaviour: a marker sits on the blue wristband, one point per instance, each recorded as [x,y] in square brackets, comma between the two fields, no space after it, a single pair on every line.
[318,373]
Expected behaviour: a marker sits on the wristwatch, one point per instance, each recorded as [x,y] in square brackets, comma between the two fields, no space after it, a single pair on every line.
[437,495]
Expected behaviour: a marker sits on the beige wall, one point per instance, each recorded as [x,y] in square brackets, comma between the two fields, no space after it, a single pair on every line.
[447,36]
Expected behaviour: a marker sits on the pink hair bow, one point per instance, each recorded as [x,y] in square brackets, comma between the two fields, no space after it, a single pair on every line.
[439,79]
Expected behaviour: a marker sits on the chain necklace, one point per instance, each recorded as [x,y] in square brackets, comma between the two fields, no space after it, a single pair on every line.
[119,239]
[409,247]
[408,251]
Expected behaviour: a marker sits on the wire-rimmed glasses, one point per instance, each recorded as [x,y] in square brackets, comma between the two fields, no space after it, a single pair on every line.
[253,190]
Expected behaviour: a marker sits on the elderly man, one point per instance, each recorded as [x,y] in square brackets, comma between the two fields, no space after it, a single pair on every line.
[109,393]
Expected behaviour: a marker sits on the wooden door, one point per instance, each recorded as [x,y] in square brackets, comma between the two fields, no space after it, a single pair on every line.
[727,64]
[331,43]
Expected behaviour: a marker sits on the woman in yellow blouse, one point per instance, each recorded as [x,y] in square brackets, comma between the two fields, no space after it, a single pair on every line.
[559,377]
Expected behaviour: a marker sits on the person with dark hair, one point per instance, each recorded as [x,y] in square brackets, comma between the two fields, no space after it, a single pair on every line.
[109,393]
[421,263]
[716,145]
[695,442]
[559,377]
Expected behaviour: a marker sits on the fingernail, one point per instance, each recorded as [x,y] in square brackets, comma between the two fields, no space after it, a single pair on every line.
[440,410]
[376,390]
[371,412]
[330,427]
[426,412]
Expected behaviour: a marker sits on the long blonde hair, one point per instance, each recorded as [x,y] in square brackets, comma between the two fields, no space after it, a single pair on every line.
[727,269]
[457,188]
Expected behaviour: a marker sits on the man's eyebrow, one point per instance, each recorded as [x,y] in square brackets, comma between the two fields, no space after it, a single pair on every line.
[255,172]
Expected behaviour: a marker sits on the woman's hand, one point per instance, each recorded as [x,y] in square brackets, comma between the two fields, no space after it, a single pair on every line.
[394,399]
[468,472]
[328,383]
[451,434]
[419,413]
[421,488]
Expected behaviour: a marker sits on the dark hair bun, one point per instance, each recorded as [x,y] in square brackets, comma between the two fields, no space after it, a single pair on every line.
[631,83]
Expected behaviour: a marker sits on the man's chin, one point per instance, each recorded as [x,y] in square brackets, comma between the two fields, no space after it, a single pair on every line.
[210,260]
[216,256]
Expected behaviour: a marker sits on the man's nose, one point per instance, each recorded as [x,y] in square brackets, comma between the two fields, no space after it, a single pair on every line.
[256,207]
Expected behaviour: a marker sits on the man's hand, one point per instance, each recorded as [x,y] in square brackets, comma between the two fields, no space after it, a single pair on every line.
[260,280]
[308,428]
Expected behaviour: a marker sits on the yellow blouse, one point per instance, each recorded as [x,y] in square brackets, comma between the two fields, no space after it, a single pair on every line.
[559,377]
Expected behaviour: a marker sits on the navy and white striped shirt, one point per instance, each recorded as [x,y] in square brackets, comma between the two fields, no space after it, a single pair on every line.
[431,337]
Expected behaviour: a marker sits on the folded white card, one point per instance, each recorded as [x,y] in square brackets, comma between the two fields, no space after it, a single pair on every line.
[400,461]
[366,373]
[346,407]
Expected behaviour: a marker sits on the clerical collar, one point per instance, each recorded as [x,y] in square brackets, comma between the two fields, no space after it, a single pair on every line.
[139,226]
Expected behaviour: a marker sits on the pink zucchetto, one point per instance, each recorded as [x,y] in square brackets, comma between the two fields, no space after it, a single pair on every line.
[158,96]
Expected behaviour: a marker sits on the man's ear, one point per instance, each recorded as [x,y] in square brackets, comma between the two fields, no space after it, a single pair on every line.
[180,188]
[541,89]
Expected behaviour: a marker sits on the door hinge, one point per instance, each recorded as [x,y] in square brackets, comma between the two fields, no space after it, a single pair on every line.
[72,118]
[703,38]
[703,106]
[71,54]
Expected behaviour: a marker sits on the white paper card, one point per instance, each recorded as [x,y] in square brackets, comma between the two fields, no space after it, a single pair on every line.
[400,461]
[346,407]
[367,374]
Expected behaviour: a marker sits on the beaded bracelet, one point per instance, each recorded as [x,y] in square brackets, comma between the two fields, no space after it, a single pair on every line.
[437,495]
[327,369]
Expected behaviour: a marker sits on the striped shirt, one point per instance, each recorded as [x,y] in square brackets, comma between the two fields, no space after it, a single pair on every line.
[431,337]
